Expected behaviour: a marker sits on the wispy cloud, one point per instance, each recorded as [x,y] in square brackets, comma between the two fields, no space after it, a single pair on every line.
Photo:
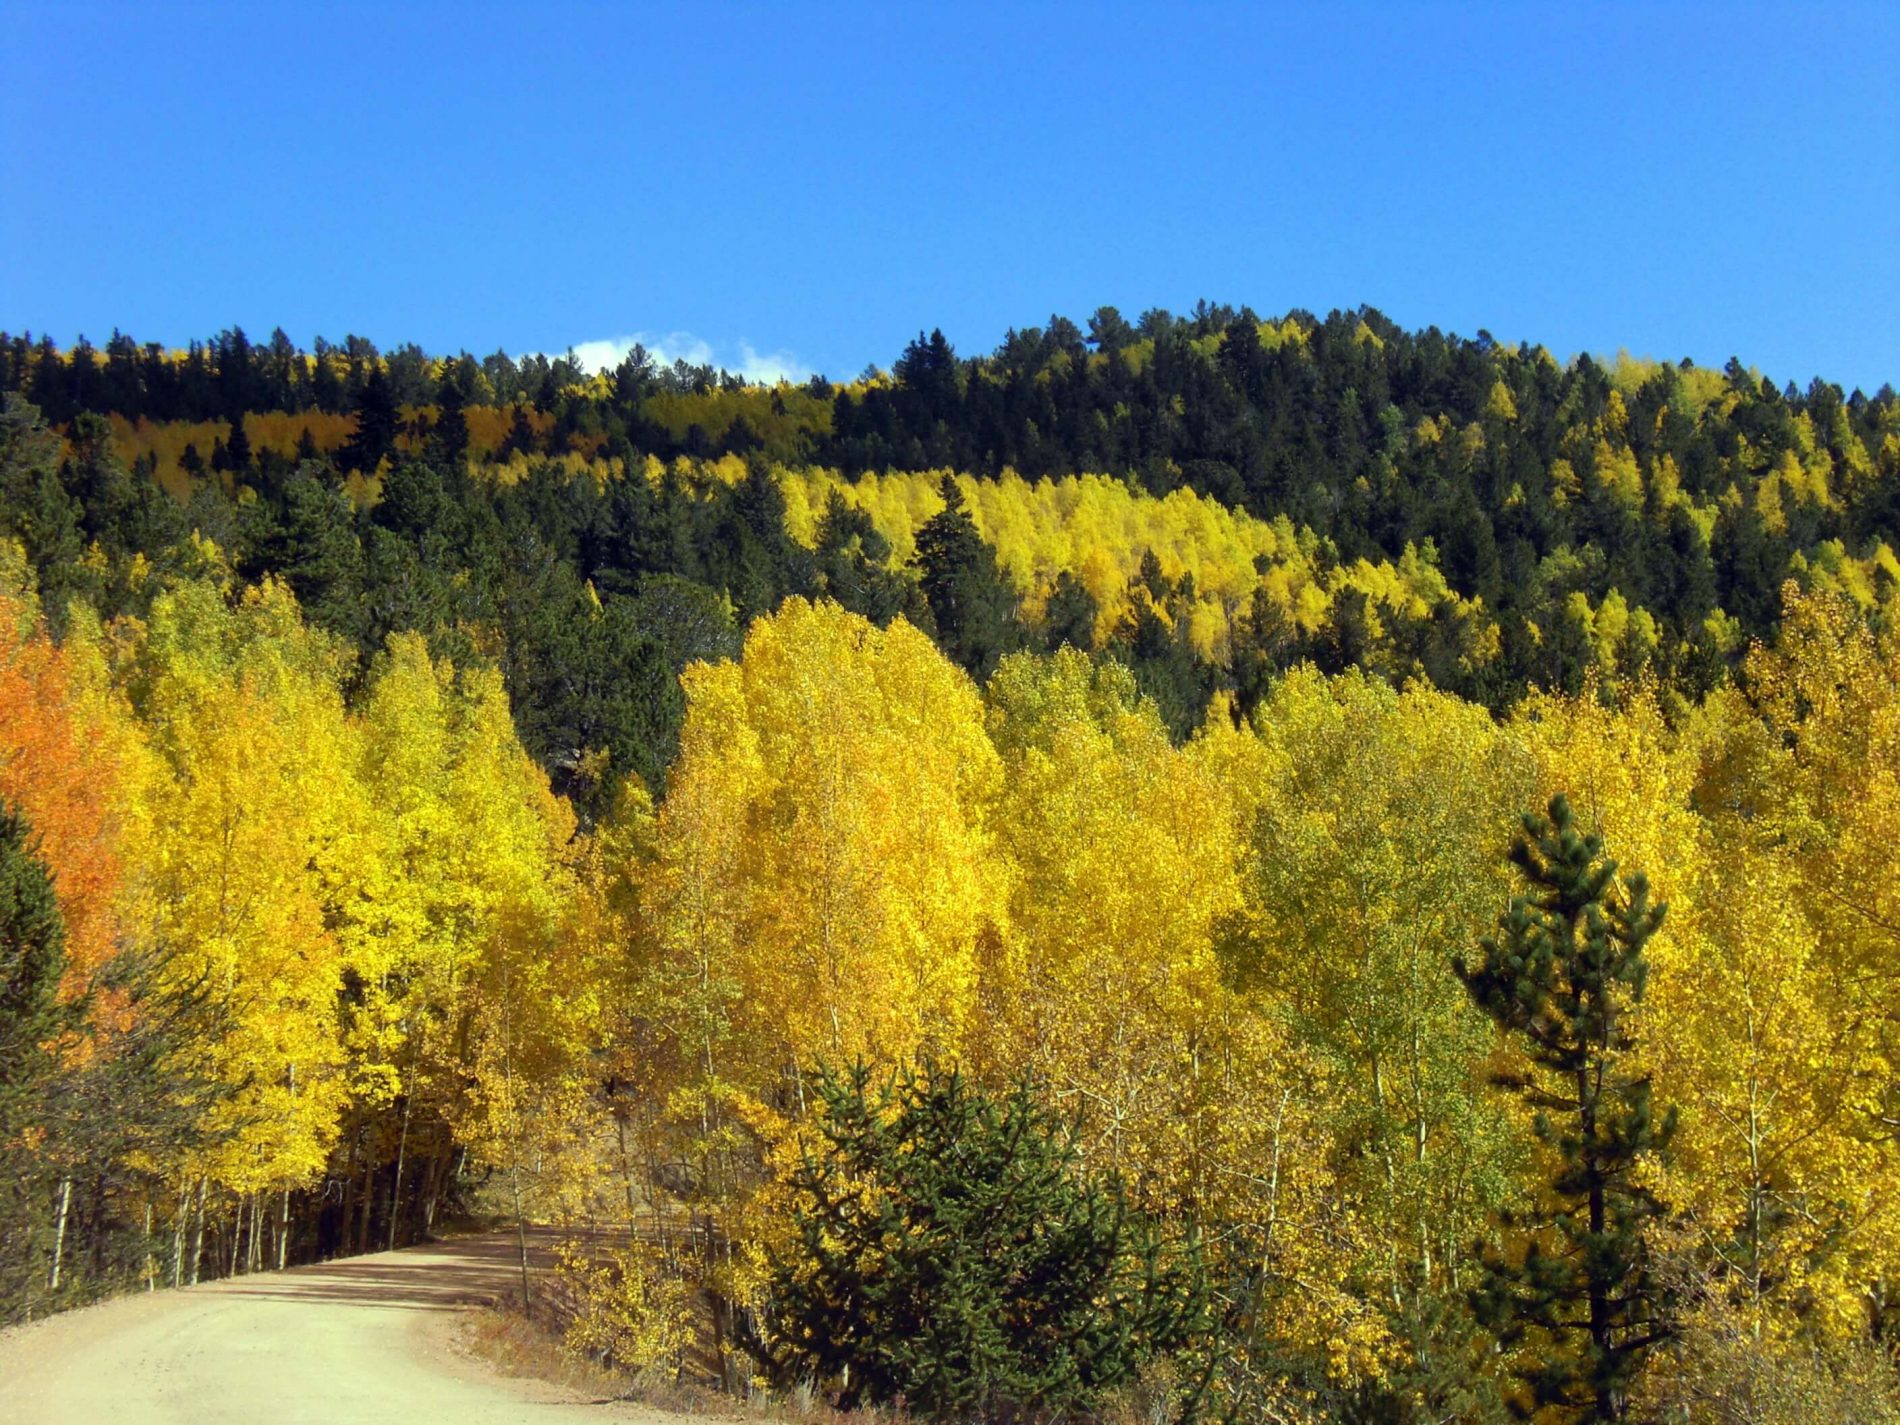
[665,349]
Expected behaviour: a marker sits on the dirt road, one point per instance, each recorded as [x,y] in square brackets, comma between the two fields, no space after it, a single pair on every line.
[367,1339]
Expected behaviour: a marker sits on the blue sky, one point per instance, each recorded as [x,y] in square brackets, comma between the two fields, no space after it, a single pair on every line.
[805,187]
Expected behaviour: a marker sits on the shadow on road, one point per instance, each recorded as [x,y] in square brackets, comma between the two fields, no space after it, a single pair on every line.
[440,1276]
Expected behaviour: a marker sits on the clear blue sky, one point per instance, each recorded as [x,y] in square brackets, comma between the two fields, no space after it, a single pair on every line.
[821,182]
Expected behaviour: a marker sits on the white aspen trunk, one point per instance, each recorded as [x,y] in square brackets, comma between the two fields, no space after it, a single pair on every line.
[521,1227]
[402,1149]
[198,1234]
[514,1153]
[626,1174]
[59,1231]
[237,1234]
[283,1211]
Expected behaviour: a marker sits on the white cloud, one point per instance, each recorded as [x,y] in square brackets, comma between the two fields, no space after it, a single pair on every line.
[760,366]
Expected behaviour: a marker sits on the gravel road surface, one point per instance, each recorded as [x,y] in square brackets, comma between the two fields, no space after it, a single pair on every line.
[367,1339]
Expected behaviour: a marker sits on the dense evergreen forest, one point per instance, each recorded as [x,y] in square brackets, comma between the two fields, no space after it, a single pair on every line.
[1276,869]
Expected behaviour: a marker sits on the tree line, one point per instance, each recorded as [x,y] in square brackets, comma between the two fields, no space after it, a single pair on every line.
[1669,505]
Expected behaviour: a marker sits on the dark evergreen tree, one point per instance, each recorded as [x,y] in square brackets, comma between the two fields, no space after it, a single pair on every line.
[1069,615]
[854,563]
[692,624]
[415,503]
[593,694]
[32,958]
[521,439]
[750,554]
[1580,1301]
[378,421]
[448,440]
[237,450]
[973,607]
[35,507]
[316,551]
[953,1254]
[740,438]
[1266,642]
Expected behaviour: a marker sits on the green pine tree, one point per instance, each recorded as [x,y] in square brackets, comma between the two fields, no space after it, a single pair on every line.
[237,450]
[32,957]
[1069,614]
[521,439]
[448,441]
[1563,978]
[971,603]
[377,423]
[953,1255]
[854,564]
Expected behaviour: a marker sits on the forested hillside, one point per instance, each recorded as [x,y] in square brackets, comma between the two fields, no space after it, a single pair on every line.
[1465,510]
[1381,845]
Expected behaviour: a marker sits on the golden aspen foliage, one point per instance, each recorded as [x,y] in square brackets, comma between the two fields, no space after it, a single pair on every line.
[1099,530]
[835,780]
[1372,826]
[245,822]
[1124,852]
[1830,690]
[1122,861]
[60,770]
[1808,806]
[457,909]
[1762,1025]
[529,1002]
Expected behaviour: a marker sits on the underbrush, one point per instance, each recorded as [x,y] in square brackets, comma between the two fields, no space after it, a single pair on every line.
[537,1347]
[545,1346]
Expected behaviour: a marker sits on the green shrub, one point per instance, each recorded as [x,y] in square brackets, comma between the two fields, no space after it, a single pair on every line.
[952,1255]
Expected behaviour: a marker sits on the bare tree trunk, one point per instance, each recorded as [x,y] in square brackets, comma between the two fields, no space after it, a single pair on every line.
[198,1234]
[521,1236]
[151,1266]
[283,1231]
[251,1259]
[402,1148]
[445,1174]
[59,1231]
[348,1224]
[367,1203]
[514,1156]
[626,1174]
[237,1233]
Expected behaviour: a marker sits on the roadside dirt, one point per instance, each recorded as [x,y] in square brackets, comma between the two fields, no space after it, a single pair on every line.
[367,1340]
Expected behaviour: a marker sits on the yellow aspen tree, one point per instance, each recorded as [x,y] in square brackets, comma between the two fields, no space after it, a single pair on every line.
[1122,860]
[246,816]
[1373,823]
[839,774]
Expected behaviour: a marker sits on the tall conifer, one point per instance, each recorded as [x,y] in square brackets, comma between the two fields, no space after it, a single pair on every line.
[1563,978]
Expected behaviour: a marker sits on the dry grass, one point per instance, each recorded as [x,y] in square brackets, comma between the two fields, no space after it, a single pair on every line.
[533,1349]
[517,1347]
